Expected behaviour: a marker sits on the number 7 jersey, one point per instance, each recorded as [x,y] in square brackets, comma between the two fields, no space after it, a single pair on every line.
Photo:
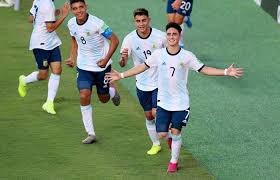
[173,71]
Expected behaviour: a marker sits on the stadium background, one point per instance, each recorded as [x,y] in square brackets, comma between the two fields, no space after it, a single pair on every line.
[234,126]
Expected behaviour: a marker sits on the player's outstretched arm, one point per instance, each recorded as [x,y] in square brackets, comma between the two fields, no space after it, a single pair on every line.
[230,71]
[115,76]
[71,61]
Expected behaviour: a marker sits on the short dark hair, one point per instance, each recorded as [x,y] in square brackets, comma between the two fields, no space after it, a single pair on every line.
[173,25]
[75,1]
[140,12]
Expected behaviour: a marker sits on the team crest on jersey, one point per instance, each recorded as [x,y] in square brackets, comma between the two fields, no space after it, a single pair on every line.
[181,63]
[154,46]
[45,63]
[75,33]
[88,33]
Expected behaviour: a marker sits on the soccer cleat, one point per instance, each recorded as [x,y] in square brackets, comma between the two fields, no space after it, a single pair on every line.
[172,167]
[21,86]
[116,99]
[49,107]
[154,150]
[188,22]
[90,139]
[169,142]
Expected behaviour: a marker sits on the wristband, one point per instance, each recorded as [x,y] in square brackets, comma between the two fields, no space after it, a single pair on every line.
[225,72]
[122,75]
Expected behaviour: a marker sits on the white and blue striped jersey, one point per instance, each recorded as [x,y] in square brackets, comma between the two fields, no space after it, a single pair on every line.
[140,49]
[173,70]
[92,45]
[43,11]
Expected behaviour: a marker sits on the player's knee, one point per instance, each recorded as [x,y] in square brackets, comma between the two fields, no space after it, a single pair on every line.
[57,71]
[104,99]
[42,76]
[162,134]
[178,21]
[150,116]
[84,96]
[175,131]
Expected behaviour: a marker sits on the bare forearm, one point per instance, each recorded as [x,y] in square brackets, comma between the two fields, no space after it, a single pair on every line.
[113,46]
[74,48]
[210,71]
[135,70]
[53,26]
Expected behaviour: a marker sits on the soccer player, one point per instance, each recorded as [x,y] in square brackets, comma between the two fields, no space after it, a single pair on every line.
[173,107]
[179,11]
[140,44]
[90,46]
[45,43]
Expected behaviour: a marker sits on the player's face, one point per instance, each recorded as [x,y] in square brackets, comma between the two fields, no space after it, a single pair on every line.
[173,37]
[142,23]
[79,9]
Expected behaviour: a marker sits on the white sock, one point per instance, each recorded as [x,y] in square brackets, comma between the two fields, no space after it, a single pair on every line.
[175,147]
[53,86]
[181,41]
[31,77]
[151,127]
[112,92]
[87,119]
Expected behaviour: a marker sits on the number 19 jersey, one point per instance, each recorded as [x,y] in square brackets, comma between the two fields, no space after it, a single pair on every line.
[140,49]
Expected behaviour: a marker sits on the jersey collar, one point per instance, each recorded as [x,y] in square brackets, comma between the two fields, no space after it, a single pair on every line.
[145,37]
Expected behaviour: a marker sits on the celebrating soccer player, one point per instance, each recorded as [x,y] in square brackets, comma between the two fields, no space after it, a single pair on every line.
[173,107]
[140,44]
[45,45]
[90,46]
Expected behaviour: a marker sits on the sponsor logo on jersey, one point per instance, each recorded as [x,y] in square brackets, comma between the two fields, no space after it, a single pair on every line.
[138,48]
[164,63]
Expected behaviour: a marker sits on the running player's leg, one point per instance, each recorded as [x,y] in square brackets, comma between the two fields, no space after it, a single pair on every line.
[105,90]
[179,120]
[85,81]
[170,11]
[42,73]
[53,84]
[148,100]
